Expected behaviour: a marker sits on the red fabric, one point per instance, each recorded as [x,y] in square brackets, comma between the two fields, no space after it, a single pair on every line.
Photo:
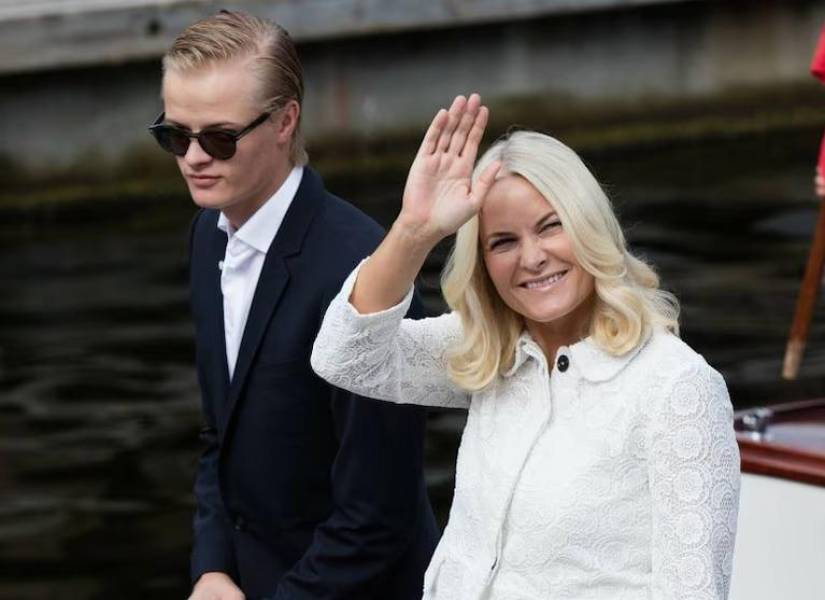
[821,163]
[818,71]
[818,62]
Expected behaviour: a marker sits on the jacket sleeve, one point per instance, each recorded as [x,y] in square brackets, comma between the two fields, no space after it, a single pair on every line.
[694,484]
[212,546]
[385,356]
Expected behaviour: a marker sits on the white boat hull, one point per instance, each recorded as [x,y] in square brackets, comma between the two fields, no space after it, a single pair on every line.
[780,540]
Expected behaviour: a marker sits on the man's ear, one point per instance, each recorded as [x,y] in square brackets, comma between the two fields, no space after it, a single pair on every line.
[287,121]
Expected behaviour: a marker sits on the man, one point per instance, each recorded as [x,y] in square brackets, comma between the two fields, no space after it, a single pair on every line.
[304,491]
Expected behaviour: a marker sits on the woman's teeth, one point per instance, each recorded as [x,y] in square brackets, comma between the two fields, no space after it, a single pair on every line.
[540,283]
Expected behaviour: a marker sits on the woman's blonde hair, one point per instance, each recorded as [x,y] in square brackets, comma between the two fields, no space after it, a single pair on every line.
[229,35]
[628,299]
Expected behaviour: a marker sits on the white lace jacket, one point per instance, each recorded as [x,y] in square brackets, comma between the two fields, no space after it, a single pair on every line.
[605,478]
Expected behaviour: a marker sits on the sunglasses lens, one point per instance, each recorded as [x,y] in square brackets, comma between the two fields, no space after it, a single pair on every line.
[217,144]
[171,139]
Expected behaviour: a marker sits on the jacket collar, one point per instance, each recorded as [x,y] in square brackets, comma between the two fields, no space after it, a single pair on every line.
[593,362]
[261,228]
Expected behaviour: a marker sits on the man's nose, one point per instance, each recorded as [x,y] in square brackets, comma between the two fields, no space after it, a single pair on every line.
[195,155]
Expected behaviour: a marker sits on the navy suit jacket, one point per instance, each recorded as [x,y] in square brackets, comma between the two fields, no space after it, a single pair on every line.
[304,491]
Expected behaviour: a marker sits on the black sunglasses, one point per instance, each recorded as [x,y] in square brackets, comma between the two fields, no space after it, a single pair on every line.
[217,143]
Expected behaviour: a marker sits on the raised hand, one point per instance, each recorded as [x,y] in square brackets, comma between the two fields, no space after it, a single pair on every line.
[438,199]
[439,196]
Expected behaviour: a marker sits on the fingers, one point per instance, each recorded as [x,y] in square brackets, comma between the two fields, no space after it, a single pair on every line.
[485,181]
[468,117]
[458,130]
[430,142]
[470,149]
[454,118]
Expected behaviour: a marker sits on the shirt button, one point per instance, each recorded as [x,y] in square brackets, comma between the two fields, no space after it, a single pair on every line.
[562,363]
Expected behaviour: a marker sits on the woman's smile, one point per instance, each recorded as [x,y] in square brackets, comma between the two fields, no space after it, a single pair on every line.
[545,282]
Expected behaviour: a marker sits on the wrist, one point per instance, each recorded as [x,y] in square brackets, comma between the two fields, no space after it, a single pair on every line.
[211,577]
[418,237]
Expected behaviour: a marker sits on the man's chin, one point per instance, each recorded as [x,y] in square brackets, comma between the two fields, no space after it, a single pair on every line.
[207,199]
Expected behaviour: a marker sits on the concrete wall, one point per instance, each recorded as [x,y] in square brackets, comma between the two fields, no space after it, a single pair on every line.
[371,84]
[49,34]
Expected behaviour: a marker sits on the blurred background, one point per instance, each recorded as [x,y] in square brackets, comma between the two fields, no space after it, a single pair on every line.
[699,117]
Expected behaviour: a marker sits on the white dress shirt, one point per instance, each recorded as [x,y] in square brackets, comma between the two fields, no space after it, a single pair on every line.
[245,254]
[595,477]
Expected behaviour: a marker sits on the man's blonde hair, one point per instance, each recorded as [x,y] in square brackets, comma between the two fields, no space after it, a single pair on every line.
[230,35]
[628,303]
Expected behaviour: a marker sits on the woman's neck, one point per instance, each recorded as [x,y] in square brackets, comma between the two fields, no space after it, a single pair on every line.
[564,331]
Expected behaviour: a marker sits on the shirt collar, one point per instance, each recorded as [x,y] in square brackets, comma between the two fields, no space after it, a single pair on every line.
[591,360]
[261,228]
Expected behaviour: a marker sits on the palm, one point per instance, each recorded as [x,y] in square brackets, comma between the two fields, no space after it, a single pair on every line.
[438,191]
[439,195]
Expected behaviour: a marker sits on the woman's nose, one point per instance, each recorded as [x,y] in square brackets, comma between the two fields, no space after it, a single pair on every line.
[533,255]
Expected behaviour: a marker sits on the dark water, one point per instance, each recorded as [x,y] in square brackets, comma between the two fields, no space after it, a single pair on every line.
[98,399]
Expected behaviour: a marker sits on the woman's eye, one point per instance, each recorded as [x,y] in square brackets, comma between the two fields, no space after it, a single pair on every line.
[550,225]
[500,244]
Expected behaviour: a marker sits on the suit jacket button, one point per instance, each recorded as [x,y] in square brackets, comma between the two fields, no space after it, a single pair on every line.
[562,363]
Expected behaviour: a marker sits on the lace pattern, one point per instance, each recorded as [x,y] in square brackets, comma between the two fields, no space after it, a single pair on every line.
[615,479]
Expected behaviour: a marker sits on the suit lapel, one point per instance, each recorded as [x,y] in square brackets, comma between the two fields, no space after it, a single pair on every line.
[274,278]
[214,310]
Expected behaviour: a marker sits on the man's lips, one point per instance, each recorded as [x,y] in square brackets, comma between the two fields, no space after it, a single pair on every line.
[201,180]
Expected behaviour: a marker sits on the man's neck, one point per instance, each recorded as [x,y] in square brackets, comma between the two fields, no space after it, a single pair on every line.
[238,215]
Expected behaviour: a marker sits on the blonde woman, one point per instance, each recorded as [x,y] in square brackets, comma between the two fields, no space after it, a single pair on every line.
[598,460]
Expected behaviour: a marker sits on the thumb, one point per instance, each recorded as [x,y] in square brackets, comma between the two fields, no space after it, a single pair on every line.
[484,182]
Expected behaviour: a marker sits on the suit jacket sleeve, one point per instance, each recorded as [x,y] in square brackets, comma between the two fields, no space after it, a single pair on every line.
[212,550]
[377,495]
[212,546]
